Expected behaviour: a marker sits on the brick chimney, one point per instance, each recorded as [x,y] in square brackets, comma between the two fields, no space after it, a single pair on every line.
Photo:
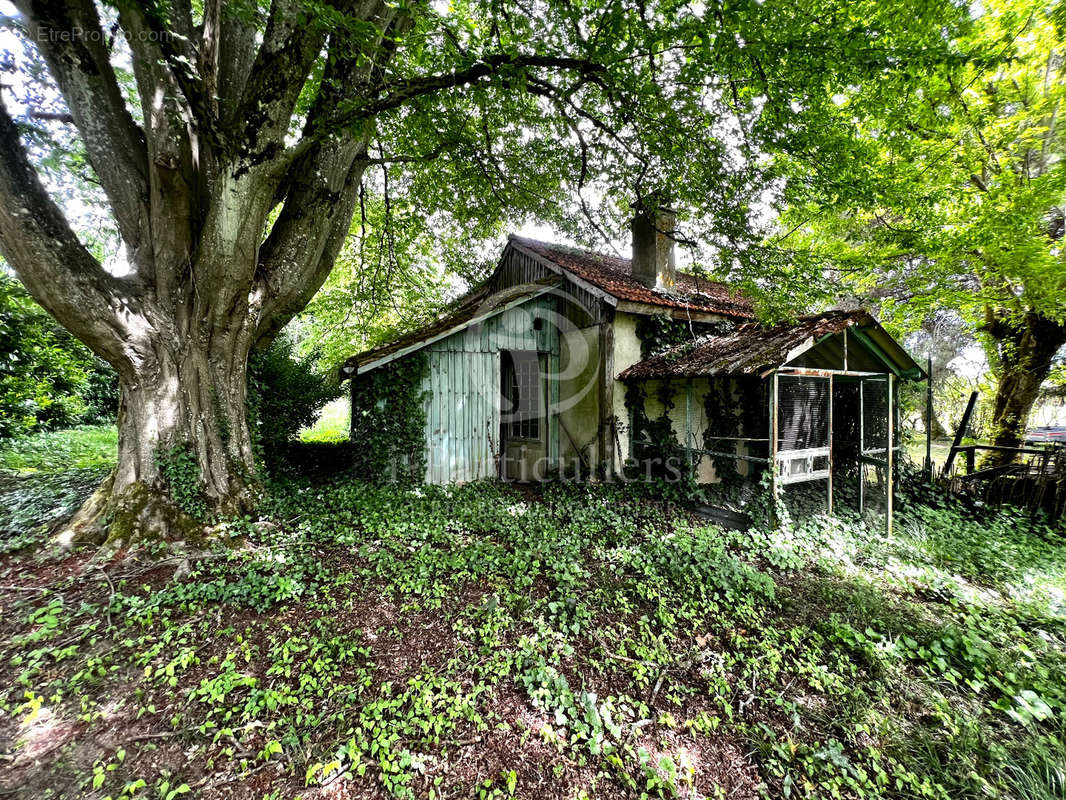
[653,249]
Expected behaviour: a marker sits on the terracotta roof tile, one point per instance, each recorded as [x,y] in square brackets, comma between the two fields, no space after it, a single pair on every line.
[614,275]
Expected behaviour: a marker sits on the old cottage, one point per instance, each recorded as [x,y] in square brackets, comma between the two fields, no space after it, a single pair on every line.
[575,363]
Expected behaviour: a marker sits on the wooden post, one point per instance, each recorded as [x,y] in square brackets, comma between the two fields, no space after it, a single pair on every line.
[773,443]
[688,424]
[830,490]
[960,432]
[929,417]
[862,444]
[891,453]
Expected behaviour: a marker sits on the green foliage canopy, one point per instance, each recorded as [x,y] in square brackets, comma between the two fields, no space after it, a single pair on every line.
[714,106]
[392,275]
[958,192]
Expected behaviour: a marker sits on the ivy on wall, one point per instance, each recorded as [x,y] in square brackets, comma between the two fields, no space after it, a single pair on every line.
[736,407]
[389,422]
[653,444]
[659,455]
[657,332]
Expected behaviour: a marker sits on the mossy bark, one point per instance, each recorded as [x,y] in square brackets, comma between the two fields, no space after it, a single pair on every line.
[142,513]
[192,402]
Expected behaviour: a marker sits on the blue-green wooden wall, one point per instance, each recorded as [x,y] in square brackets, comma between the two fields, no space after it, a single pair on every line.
[463,386]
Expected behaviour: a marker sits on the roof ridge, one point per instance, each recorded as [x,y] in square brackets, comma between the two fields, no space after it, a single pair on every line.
[739,298]
[569,248]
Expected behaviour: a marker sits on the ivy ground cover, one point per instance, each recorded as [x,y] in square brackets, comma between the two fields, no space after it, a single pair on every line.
[576,641]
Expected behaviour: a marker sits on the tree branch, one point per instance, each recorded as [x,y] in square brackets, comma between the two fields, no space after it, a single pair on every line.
[290,46]
[237,52]
[54,266]
[210,41]
[151,39]
[175,170]
[321,191]
[70,38]
[395,95]
[422,158]
[52,116]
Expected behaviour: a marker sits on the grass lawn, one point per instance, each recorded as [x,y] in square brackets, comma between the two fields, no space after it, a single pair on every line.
[915,449]
[83,447]
[332,423]
[573,641]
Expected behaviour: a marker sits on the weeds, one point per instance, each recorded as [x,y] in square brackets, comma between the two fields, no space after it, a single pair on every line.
[472,641]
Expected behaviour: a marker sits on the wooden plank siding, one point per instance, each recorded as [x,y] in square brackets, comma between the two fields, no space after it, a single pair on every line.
[462,385]
[582,308]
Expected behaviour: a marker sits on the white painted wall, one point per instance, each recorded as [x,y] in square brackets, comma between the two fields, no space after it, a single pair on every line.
[626,354]
[579,394]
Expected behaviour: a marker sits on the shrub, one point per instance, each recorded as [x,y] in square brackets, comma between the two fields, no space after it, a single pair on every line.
[285,393]
[42,367]
[100,393]
[48,379]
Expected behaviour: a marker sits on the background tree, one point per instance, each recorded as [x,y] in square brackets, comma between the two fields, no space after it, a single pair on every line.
[942,337]
[48,379]
[961,204]
[233,161]
[392,274]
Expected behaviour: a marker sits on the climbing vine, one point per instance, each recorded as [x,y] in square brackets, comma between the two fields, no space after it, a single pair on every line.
[181,471]
[736,408]
[653,443]
[657,332]
[389,422]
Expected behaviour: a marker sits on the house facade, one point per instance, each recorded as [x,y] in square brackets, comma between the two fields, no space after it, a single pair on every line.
[565,360]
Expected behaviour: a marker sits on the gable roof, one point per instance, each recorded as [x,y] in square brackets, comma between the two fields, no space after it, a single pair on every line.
[614,276]
[478,305]
[754,349]
[610,275]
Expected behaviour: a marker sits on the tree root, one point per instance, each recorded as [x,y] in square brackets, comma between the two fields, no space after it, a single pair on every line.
[140,514]
[87,525]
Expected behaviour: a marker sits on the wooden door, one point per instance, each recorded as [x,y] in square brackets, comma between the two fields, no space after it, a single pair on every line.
[523,416]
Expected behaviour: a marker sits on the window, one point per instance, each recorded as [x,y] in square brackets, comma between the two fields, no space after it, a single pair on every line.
[522,390]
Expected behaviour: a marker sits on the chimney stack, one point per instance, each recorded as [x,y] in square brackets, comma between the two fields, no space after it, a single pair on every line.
[653,248]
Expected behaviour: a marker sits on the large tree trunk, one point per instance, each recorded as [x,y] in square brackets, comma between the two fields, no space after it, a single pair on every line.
[1025,350]
[184,453]
[189,402]
[230,222]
